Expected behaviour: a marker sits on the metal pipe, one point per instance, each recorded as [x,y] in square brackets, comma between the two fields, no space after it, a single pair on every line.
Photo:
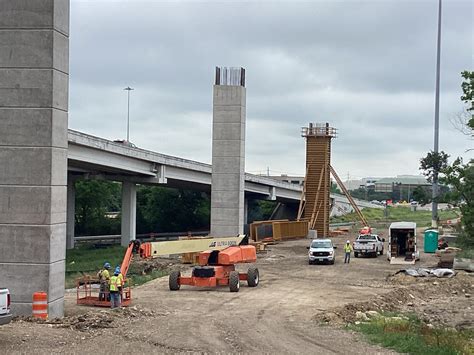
[434,195]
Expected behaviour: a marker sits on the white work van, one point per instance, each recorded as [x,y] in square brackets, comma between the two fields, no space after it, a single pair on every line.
[402,247]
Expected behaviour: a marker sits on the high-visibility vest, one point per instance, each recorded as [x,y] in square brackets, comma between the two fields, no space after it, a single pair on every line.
[103,275]
[120,277]
[115,283]
[347,248]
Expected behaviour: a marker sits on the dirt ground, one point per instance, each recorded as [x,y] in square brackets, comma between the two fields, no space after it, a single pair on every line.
[297,308]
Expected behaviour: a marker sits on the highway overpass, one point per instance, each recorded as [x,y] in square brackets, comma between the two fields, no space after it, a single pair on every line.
[92,157]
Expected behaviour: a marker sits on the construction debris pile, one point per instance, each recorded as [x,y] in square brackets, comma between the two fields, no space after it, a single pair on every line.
[93,320]
[435,302]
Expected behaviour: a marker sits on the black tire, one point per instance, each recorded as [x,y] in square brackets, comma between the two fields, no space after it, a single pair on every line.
[381,252]
[253,277]
[174,280]
[310,262]
[234,282]
[356,255]
[333,261]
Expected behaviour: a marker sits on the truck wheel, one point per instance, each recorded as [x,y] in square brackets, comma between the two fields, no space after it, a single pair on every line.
[174,280]
[333,261]
[356,255]
[381,252]
[234,282]
[253,277]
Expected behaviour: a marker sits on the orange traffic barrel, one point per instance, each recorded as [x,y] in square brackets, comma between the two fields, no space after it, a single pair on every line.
[40,305]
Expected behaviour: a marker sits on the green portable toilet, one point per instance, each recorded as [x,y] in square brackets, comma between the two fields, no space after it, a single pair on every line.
[431,240]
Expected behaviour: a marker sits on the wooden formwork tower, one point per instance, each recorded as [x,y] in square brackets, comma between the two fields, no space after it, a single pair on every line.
[317,204]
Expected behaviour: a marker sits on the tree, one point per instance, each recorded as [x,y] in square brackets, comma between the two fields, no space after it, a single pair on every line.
[468,96]
[433,162]
[421,195]
[93,199]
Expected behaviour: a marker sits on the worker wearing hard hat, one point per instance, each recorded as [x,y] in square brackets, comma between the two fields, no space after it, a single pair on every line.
[115,286]
[104,276]
[347,252]
[120,276]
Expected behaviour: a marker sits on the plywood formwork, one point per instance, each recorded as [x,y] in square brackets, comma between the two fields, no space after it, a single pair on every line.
[318,183]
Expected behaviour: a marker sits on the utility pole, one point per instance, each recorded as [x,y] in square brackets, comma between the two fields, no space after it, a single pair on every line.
[128,88]
[434,206]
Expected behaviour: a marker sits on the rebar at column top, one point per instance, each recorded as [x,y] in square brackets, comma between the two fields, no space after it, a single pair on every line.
[230,76]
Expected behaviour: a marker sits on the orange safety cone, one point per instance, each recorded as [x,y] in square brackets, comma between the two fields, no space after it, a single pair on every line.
[40,305]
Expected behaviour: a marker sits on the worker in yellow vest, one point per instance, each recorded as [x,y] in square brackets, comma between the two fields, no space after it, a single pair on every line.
[115,286]
[104,277]
[120,276]
[347,252]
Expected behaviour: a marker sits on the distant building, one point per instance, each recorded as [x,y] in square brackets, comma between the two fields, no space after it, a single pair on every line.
[402,186]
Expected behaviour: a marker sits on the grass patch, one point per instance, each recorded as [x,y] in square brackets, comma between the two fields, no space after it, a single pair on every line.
[397,213]
[467,253]
[408,334]
[89,259]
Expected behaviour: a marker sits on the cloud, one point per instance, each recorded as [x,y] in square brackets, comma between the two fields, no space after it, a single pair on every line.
[366,67]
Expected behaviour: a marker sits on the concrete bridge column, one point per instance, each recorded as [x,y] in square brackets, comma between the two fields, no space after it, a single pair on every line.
[228,152]
[71,212]
[129,212]
[34,67]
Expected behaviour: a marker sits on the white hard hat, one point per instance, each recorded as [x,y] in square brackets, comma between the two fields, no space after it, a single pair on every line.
[348,241]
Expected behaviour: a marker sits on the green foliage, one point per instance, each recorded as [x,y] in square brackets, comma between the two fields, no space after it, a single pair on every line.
[335,189]
[411,336]
[260,210]
[370,194]
[89,259]
[162,209]
[93,199]
[460,177]
[433,162]
[422,195]
[468,89]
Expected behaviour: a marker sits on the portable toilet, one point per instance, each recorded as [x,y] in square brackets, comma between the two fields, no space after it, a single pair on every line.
[431,241]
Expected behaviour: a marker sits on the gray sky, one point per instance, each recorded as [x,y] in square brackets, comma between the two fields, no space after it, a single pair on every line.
[366,67]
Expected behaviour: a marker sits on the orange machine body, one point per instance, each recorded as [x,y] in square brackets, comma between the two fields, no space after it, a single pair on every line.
[218,265]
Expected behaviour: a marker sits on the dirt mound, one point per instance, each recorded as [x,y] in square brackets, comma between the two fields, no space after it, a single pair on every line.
[146,266]
[434,300]
[92,320]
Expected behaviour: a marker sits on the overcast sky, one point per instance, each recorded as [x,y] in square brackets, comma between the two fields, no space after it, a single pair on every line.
[366,67]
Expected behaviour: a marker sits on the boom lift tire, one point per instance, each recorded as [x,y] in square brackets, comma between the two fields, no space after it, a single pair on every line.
[174,280]
[234,282]
[253,277]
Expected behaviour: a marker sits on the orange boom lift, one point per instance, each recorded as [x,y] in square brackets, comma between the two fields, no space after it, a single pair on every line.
[217,268]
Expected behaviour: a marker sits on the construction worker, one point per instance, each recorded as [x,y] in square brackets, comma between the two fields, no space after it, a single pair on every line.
[104,277]
[347,252]
[120,276]
[115,284]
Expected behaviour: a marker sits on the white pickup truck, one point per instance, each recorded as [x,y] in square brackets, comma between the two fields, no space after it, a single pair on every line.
[5,315]
[368,244]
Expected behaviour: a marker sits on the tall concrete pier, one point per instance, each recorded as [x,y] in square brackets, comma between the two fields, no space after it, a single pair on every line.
[228,152]
[34,66]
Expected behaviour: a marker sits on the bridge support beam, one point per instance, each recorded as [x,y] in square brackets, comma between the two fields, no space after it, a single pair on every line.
[228,153]
[34,66]
[129,212]
[71,212]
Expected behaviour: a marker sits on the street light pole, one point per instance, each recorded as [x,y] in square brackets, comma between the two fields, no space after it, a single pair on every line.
[434,195]
[128,88]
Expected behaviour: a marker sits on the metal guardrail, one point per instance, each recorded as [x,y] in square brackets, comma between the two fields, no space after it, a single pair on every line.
[142,237]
